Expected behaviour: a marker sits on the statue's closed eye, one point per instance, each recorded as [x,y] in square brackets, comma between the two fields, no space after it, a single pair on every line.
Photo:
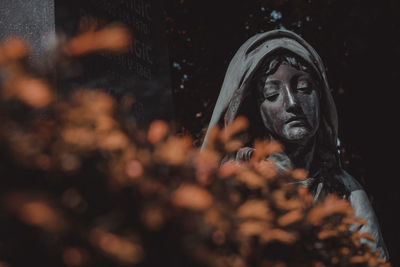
[272,97]
[271,91]
[304,86]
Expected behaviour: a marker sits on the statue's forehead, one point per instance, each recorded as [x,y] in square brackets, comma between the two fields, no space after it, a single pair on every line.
[286,71]
[270,48]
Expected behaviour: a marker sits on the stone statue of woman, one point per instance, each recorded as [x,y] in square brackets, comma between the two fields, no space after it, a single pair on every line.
[278,81]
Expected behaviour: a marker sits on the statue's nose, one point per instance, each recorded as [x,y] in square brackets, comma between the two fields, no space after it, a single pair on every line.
[291,102]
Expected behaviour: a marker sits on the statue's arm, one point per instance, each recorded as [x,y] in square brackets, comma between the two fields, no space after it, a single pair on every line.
[363,209]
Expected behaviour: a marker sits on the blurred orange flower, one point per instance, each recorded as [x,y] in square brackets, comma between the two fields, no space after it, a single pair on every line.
[290,217]
[32,91]
[112,141]
[80,136]
[157,131]
[233,145]
[229,168]
[192,197]
[36,212]
[206,163]
[40,214]
[254,209]
[104,123]
[304,194]
[214,218]
[286,204]
[251,228]
[263,148]
[218,237]
[278,235]
[117,247]
[299,174]
[354,220]
[365,235]
[134,169]
[331,205]
[114,38]
[252,180]
[73,256]
[175,150]
[153,218]
[95,103]
[238,125]
[324,234]
[358,259]
[266,168]
[13,48]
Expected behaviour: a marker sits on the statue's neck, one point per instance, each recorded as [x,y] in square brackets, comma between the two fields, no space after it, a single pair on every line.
[301,155]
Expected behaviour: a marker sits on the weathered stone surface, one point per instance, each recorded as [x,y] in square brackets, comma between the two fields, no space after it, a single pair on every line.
[144,70]
[32,20]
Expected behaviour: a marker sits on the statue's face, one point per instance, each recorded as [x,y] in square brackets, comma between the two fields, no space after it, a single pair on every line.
[290,109]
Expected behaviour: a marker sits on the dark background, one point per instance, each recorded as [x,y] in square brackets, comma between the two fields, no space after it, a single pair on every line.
[357,41]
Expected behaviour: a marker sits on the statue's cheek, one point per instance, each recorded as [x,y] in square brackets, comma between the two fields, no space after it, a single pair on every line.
[275,118]
[311,109]
[270,114]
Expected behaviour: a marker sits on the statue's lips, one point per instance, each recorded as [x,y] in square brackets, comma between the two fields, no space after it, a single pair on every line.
[296,121]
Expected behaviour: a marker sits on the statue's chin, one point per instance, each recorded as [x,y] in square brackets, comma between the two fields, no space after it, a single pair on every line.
[297,134]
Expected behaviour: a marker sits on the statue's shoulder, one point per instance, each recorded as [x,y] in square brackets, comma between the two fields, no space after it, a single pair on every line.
[349,181]
[358,197]
[362,208]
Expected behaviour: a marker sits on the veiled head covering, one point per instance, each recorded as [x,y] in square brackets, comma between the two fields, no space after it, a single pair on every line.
[247,60]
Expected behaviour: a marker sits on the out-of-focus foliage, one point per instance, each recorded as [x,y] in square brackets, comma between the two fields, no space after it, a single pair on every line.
[79,186]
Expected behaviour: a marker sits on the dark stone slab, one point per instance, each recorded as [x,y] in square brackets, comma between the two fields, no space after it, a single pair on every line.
[32,20]
[143,71]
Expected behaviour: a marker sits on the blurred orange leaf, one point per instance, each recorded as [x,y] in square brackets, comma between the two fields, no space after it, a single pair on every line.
[266,168]
[32,91]
[192,197]
[36,212]
[331,205]
[118,248]
[134,169]
[112,141]
[73,256]
[254,209]
[175,150]
[238,125]
[115,38]
[13,48]
[264,148]
[229,168]
[327,234]
[290,217]
[206,163]
[299,174]
[251,228]
[252,180]
[278,235]
[157,131]
[153,218]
